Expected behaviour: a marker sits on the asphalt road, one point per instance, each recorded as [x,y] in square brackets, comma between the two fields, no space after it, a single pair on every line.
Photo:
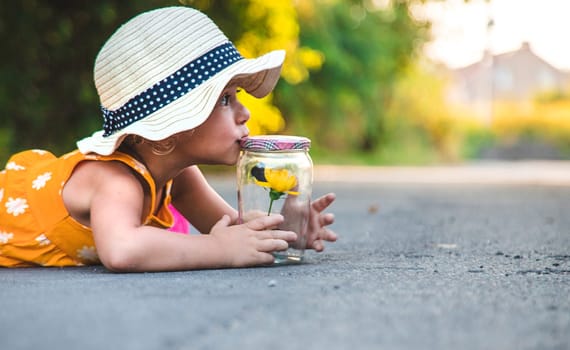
[418,266]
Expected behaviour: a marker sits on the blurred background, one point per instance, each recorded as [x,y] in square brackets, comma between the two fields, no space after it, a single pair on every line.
[371,82]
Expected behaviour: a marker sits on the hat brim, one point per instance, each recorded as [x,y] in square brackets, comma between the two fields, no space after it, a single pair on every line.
[258,76]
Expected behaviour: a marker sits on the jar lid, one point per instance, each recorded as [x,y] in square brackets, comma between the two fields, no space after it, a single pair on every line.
[275,143]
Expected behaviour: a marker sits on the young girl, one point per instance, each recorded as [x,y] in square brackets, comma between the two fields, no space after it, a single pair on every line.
[167,81]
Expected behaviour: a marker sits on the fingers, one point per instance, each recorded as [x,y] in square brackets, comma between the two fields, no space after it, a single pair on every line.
[272,245]
[324,234]
[288,236]
[318,245]
[328,235]
[223,222]
[326,219]
[318,231]
[265,222]
[253,214]
[323,202]
[265,259]
[270,240]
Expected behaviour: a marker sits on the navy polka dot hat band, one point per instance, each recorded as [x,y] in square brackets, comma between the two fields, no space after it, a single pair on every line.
[171,88]
[162,73]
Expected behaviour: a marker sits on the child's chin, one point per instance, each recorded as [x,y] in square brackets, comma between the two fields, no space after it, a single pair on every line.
[230,160]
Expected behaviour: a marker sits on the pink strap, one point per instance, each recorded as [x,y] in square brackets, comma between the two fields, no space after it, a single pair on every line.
[181,225]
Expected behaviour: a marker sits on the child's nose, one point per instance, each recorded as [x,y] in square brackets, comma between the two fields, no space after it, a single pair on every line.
[243,114]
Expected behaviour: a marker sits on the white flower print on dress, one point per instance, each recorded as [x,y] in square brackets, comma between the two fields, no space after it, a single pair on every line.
[41,152]
[14,166]
[1,194]
[16,206]
[43,240]
[88,253]
[5,237]
[41,180]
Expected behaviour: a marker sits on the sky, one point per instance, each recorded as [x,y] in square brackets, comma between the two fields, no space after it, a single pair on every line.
[460,31]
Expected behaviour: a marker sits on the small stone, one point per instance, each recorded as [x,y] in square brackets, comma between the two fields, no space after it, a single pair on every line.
[517,257]
[373,208]
[447,245]
[272,283]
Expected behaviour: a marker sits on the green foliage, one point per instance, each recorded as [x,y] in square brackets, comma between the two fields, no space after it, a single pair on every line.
[419,110]
[47,96]
[48,99]
[343,105]
[475,140]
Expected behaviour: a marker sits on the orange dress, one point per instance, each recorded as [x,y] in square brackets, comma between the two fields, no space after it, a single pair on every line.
[35,227]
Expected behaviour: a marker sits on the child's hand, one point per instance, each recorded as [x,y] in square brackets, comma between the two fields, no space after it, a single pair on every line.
[251,243]
[317,231]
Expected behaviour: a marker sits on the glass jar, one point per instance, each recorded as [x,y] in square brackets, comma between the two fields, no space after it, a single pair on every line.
[275,175]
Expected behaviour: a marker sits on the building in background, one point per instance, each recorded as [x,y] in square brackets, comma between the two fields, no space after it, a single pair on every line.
[516,76]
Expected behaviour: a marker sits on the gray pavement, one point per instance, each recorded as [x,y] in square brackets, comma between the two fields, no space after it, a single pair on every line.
[419,265]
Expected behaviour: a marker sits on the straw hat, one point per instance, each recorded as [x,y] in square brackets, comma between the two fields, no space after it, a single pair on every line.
[163,72]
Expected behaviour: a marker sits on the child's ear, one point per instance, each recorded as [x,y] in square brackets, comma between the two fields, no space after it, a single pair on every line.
[164,147]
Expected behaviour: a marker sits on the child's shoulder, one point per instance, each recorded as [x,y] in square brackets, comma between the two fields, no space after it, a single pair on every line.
[93,179]
[119,160]
[106,170]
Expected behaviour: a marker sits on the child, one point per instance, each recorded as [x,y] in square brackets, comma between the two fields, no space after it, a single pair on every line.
[167,81]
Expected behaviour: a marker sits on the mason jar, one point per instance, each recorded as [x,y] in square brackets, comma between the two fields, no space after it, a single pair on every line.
[275,175]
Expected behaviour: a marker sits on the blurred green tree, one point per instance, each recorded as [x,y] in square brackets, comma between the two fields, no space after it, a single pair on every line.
[352,50]
[366,48]
[47,95]
[257,27]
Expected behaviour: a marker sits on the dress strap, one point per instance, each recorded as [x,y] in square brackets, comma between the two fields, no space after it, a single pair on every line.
[164,219]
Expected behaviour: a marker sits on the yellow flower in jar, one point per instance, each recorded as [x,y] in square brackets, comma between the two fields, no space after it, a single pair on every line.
[278,181]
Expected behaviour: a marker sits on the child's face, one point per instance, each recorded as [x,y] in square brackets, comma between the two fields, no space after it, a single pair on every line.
[216,141]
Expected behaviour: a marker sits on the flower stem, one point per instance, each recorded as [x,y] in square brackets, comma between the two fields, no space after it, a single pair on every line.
[270,206]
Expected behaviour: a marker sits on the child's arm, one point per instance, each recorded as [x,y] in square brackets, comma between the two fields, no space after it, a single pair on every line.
[124,244]
[198,202]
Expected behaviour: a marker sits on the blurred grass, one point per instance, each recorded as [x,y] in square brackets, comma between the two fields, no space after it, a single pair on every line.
[460,136]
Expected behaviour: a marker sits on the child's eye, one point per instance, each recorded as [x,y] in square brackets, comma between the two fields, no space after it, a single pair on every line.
[225,100]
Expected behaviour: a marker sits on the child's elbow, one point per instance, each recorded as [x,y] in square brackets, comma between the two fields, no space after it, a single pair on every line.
[119,266]
[119,260]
